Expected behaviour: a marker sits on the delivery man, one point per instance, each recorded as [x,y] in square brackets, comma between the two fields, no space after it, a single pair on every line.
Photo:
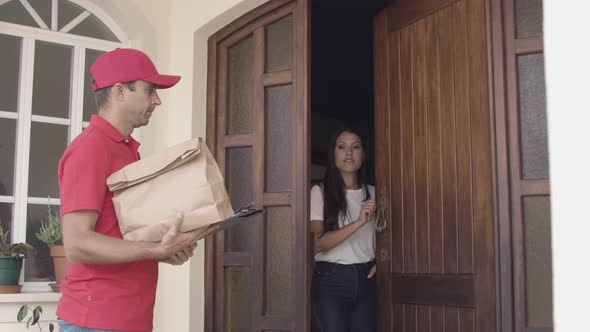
[111,283]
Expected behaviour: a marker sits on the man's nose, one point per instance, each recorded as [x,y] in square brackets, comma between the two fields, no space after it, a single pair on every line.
[156,99]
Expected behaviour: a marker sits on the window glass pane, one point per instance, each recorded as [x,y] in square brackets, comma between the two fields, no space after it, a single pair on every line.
[48,142]
[6,217]
[7,147]
[239,97]
[278,138]
[43,8]
[89,102]
[38,267]
[538,261]
[14,12]
[533,117]
[529,18]
[52,64]
[9,67]
[93,27]
[278,290]
[279,45]
[241,192]
[67,11]
[238,300]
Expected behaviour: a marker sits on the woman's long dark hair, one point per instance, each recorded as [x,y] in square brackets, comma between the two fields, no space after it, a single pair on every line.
[333,185]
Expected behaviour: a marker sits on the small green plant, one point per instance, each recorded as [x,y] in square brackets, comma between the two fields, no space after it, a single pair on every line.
[16,249]
[23,312]
[50,231]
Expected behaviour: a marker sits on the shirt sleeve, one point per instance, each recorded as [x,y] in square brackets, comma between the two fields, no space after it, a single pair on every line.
[316,204]
[82,180]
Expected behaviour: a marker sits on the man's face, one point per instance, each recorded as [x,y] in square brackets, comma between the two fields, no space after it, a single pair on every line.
[140,103]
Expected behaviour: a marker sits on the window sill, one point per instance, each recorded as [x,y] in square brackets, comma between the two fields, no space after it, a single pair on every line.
[30,298]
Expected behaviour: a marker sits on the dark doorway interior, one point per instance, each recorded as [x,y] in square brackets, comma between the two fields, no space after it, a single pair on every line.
[341,74]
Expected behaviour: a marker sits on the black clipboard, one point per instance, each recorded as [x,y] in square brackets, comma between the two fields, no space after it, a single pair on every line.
[242,215]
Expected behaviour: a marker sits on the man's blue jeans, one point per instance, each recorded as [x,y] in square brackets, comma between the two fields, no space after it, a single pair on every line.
[343,299]
[67,327]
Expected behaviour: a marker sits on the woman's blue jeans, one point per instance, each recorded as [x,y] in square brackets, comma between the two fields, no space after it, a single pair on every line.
[343,298]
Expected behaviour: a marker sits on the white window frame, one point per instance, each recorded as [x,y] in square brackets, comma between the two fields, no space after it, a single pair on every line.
[24,116]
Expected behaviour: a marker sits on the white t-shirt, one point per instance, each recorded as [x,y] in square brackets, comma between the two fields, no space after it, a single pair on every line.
[360,246]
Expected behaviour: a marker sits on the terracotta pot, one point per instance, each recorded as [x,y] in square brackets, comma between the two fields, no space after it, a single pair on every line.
[10,289]
[60,263]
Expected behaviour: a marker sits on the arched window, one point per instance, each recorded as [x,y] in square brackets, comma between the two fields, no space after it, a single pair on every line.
[45,101]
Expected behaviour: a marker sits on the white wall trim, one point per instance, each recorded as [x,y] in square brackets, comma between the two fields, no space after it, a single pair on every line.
[73,23]
[43,201]
[21,184]
[56,37]
[6,199]
[50,119]
[106,19]
[8,115]
[35,286]
[30,298]
[77,93]
[34,14]
[54,14]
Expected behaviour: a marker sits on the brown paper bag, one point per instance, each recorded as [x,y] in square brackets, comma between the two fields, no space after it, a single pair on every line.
[149,192]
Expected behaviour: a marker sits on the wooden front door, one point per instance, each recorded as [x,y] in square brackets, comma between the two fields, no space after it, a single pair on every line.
[434,167]
[257,125]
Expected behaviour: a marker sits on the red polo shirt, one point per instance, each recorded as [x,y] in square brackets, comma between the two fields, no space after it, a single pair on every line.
[102,296]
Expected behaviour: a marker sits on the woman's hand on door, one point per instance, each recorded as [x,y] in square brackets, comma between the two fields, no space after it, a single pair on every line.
[372,272]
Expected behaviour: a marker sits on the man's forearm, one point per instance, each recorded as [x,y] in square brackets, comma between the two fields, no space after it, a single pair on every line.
[94,248]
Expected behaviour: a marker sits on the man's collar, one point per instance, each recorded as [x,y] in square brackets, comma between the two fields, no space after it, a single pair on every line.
[108,129]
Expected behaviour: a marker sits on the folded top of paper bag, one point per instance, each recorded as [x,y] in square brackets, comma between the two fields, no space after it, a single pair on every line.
[154,165]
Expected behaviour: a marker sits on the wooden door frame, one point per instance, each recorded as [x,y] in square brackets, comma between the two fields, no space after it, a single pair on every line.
[502,225]
[509,186]
[495,38]
[273,9]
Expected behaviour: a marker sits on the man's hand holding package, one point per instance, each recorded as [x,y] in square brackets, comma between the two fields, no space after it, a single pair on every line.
[176,248]
[180,257]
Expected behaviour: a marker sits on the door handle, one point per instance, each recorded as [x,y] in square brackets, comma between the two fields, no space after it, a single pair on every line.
[381,220]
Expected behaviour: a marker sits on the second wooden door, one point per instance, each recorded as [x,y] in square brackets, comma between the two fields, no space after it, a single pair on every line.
[436,267]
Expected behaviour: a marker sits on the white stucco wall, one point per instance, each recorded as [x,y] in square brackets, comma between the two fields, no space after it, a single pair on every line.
[567,72]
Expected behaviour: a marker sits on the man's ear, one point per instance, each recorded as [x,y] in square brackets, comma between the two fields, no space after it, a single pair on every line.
[118,90]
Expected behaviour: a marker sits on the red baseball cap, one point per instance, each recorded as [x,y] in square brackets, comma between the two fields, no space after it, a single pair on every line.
[124,65]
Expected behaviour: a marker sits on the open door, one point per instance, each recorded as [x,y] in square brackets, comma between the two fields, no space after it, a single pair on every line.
[434,167]
[257,274]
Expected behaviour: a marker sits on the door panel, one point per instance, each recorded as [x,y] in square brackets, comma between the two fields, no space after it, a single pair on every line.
[436,258]
[257,274]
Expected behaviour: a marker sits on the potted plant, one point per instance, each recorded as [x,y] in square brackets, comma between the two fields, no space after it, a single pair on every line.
[34,318]
[11,262]
[50,234]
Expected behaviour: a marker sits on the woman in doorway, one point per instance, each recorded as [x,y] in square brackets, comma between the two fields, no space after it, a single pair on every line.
[342,209]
